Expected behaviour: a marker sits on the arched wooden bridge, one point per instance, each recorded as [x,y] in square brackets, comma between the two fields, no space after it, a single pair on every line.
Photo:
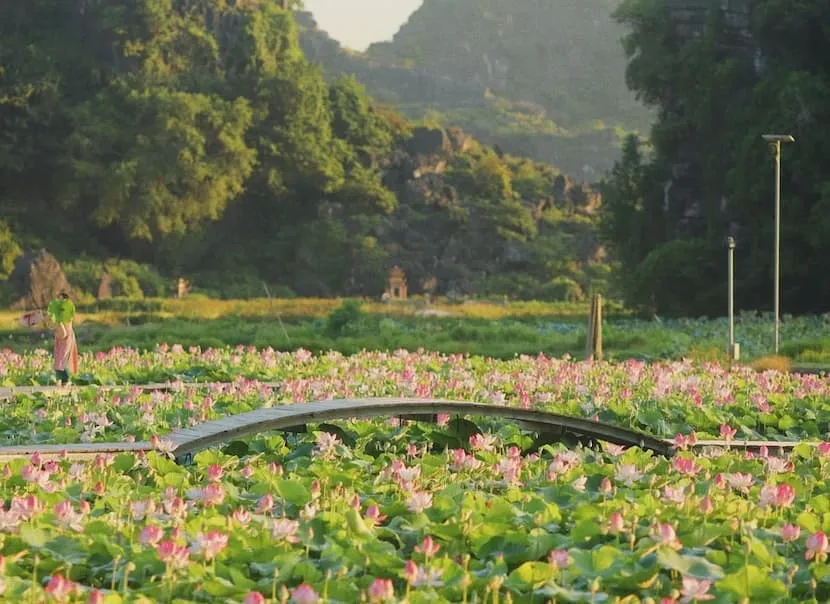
[185,442]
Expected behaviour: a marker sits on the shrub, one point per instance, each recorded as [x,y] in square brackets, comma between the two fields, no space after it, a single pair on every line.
[345,319]
[772,363]
[711,354]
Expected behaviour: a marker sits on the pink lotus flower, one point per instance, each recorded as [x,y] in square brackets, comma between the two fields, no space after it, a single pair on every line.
[60,588]
[151,535]
[373,515]
[781,495]
[246,473]
[628,474]
[740,482]
[381,590]
[685,466]
[706,505]
[605,486]
[777,465]
[26,507]
[215,472]
[682,442]
[164,446]
[790,532]
[265,504]
[172,554]
[817,546]
[140,509]
[695,590]
[428,547]
[254,597]
[209,545]
[242,516]
[483,442]
[304,594]
[675,495]
[664,534]
[418,502]
[559,558]
[95,597]
[616,523]
[211,495]
[727,433]
[283,529]
[462,461]
[418,576]
[824,448]
[326,445]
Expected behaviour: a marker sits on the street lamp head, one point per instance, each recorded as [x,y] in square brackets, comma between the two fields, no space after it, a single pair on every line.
[778,138]
[731,243]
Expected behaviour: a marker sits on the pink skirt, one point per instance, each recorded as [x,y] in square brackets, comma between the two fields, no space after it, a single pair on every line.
[66,352]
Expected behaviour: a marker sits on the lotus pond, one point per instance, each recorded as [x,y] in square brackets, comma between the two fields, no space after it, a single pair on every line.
[662,399]
[384,511]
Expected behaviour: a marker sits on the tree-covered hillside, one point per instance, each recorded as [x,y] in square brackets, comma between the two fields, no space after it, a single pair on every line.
[720,77]
[195,135]
[542,77]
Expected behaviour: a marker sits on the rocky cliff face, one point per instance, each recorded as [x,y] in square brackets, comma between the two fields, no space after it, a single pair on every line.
[539,78]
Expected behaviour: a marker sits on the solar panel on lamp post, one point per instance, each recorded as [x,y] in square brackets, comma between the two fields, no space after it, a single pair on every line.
[775,141]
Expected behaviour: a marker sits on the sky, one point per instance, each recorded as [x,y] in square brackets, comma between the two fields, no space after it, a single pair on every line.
[358,23]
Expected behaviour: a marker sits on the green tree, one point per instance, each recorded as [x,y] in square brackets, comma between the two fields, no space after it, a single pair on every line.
[159,162]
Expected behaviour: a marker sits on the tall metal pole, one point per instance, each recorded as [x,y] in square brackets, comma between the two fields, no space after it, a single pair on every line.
[776,140]
[731,296]
[777,299]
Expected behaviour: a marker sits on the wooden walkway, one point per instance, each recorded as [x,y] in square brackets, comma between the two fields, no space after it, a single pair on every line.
[184,443]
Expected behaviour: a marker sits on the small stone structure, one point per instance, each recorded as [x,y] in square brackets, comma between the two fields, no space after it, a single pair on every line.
[397,288]
[37,279]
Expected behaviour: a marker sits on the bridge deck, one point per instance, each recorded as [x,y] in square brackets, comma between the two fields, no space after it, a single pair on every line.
[187,441]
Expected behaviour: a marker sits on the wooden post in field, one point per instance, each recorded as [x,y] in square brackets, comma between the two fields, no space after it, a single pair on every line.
[593,342]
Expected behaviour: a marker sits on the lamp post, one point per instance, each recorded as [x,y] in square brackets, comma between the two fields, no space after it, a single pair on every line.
[731,298]
[775,141]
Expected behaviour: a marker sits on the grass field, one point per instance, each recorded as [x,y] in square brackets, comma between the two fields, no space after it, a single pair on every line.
[500,330]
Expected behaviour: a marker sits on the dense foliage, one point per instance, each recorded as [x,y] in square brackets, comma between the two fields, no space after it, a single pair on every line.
[544,79]
[475,511]
[195,136]
[720,81]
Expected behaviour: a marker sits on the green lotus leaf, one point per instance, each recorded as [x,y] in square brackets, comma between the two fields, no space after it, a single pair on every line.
[753,583]
[687,565]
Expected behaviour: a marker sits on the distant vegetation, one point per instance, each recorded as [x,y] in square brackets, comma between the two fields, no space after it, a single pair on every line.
[718,83]
[539,78]
[197,139]
[493,329]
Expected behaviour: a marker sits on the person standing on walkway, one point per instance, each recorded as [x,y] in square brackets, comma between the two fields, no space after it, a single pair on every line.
[61,312]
